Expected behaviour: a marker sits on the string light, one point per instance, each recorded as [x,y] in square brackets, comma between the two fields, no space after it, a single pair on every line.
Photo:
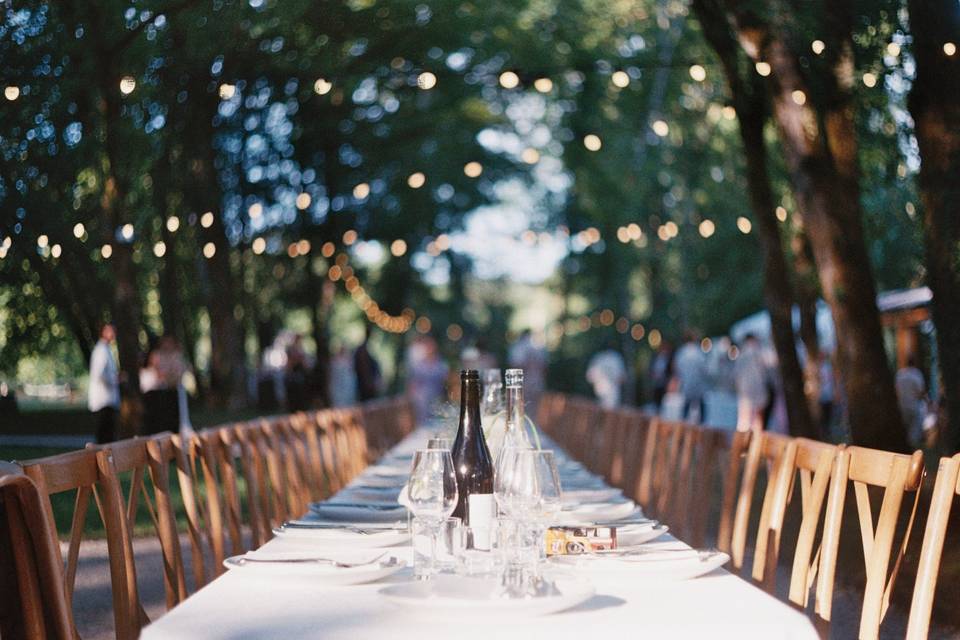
[78,230]
[543,85]
[255,211]
[173,223]
[763,68]
[206,220]
[592,142]
[799,97]
[259,245]
[509,80]
[43,241]
[949,48]
[322,87]
[781,214]
[818,46]
[106,251]
[398,248]
[361,191]
[893,49]
[661,128]
[654,338]
[870,80]
[303,201]
[160,249]
[209,250]
[416,180]
[126,231]
[744,225]
[227,91]
[473,169]
[530,155]
[11,93]
[426,81]
[127,85]
[349,237]
[707,228]
[56,250]
[698,73]
[620,79]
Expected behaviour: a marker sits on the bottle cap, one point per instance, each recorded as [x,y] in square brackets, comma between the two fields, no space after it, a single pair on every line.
[514,377]
[469,374]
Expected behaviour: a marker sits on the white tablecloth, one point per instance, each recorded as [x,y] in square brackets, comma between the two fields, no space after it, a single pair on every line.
[237,605]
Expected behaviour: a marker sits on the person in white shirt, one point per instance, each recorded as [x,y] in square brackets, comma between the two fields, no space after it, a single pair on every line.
[753,394]
[606,373]
[690,370]
[104,393]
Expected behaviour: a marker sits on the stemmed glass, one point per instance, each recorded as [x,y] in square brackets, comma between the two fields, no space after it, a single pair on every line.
[551,496]
[432,492]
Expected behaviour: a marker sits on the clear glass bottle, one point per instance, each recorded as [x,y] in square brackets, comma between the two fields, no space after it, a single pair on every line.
[515,432]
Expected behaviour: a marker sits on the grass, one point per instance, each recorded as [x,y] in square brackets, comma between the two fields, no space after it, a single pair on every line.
[73,419]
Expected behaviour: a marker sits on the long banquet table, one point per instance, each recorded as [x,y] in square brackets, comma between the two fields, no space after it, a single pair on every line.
[234,606]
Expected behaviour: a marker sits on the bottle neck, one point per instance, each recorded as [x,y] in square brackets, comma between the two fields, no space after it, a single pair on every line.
[469,406]
[515,408]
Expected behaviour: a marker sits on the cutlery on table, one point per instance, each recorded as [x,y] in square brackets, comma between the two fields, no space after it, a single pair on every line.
[331,561]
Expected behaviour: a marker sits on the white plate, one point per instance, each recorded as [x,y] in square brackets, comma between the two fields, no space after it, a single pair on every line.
[653,566]
[379,482]
[634,535]
[358,513]
[457,596]
[586,514]
[352,539]
[321,572]
[579,496]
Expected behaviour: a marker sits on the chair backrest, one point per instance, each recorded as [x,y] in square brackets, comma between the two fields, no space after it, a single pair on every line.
[814,465]
[144,463]
[896,474]
[774,454]
[736,447]
[83,472]
[947,486]
[32,599]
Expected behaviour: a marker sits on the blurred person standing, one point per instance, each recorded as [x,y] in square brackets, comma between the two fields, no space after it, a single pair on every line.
[343,379]
[426,377]
[661,371]
[753,395]
[911,396]
[827,384]
[530,356]
[295,375]
[477,357]
[606,373]
[690,372]
[367,369]
[104,393]
[161,382]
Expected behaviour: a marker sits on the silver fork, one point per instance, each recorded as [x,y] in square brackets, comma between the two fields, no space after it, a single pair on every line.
[336,563]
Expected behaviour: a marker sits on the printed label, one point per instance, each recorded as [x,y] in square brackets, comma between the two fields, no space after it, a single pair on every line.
[481,511]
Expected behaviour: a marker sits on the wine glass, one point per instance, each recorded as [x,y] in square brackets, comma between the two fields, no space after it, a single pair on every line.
[550,494]
[440,442]
[432,492]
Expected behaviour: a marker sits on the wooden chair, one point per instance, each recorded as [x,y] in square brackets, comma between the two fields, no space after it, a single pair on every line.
[736,444]
[946,486]
[814,466]
[894,474]
[145,464]
[86,474]
[32,600]
[775,454]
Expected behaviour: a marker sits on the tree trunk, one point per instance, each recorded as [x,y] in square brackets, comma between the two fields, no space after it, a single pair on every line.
[749,100]
[126,300]
[807,295]
[228,367]
[819,145]
[935,107]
